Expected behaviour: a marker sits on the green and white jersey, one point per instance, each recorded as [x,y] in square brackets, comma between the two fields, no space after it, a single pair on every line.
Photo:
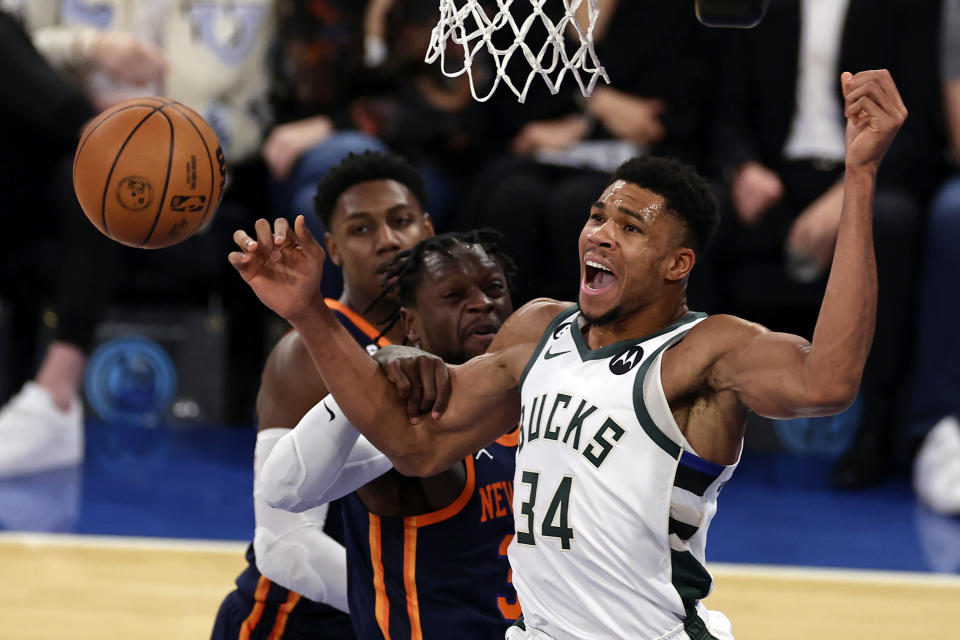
[611,503]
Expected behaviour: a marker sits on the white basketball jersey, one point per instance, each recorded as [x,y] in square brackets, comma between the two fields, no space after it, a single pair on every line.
[611,503]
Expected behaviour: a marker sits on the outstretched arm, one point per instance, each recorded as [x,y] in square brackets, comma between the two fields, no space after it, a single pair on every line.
[284,266]
[323,458]
[779,375]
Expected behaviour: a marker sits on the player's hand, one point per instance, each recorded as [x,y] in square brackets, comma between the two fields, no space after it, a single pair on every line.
[422,379]
[287,142]
[283,266]
[874,112]
[754,190]
[127,59]
[629,117]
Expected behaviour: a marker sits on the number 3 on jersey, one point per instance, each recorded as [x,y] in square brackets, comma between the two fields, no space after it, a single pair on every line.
[555,522]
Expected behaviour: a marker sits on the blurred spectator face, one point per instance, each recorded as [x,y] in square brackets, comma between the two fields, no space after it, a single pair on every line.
[461,302]
[371,223]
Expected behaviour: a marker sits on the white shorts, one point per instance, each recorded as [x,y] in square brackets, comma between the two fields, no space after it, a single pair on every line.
[717,624]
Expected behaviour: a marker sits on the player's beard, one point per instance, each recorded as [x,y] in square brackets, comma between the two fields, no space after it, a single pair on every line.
[606,318]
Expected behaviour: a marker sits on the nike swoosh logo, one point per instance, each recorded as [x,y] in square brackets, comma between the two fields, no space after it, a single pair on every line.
[549,355]
[332,416]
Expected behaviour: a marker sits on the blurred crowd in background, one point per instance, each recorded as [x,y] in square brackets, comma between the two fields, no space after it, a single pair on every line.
[292,86]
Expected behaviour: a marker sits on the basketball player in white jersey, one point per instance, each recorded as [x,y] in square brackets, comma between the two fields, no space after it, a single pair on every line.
[632,407]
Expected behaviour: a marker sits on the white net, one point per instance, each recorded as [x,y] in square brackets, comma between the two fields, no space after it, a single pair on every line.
[475,26]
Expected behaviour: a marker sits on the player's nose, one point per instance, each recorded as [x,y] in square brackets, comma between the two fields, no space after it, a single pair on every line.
[387,239]
[477,300]
[601,235]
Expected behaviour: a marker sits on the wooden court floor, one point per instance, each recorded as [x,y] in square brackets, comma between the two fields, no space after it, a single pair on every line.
[80,587]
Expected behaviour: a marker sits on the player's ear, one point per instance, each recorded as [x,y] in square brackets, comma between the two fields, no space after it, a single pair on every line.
[679,263]
[411,326]
[332,249]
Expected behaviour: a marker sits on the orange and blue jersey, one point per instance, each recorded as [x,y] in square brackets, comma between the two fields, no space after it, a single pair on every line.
[260,609]
[439,575]
[361,330]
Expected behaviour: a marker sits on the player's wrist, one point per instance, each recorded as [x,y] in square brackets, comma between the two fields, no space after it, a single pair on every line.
[860,173]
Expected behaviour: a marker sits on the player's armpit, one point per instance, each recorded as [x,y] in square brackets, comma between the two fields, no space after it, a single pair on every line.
[780,375]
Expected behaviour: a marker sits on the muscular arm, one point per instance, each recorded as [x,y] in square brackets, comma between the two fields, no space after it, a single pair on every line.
[780,375]
[284,268]
[484,401]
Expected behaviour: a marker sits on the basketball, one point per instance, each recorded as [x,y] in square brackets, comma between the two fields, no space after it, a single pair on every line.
[149,172]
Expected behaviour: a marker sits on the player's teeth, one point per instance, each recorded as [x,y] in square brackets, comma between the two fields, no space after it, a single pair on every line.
[595,265]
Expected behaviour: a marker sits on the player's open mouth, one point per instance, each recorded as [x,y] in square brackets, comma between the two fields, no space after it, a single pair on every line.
[597,277]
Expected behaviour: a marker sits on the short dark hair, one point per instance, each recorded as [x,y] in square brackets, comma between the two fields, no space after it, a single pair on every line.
[685,192]
[406,269]
[362,167]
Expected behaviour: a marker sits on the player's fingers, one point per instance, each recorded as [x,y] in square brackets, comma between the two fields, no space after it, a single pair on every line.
[264,237]
[861,77]
[442,377]
[242,262]
[873,90]
[281,233]
[416,393]
[884,84]
[244,241]
[306,238]
[429,387]
[893,102]
[396,375]
[865,107]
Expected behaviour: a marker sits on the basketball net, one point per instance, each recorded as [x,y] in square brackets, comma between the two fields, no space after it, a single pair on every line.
[469,26]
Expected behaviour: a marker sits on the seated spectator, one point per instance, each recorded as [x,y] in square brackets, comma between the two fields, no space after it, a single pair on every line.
[349,77]
[780,144]
[563,147]
[935,400]
[41,427]
[211,56]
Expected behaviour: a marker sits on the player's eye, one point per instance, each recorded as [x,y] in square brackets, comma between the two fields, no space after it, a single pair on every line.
[596,217]
[403,221]
[629,228]
[359,230]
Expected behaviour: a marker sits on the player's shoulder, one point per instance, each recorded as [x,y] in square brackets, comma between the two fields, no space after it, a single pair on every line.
[723,325]
[288,359]
[289,385]
[719,333]
[530,321]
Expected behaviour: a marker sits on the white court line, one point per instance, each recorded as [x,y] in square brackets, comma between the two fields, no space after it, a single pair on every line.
[719,570]
[122,542]
[819,574]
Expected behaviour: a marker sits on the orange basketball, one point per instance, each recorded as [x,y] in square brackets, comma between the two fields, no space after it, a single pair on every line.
[149,172]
